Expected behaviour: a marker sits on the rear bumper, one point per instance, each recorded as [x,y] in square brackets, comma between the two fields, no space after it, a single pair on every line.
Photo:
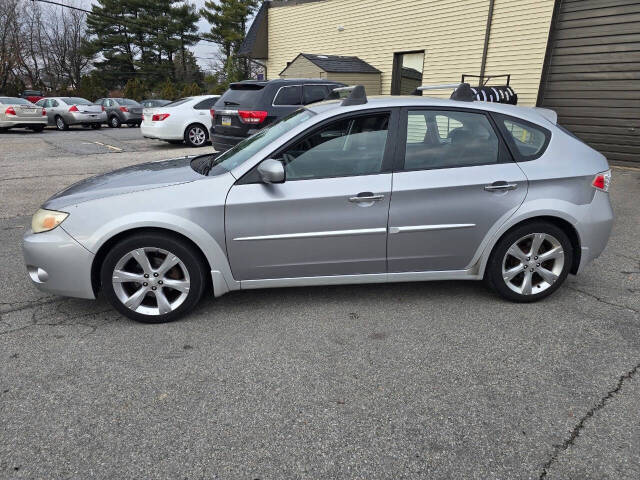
[128,117]
[222,143]
[160,132]
[595,228]
[57,264]
[23,123]
[82,118]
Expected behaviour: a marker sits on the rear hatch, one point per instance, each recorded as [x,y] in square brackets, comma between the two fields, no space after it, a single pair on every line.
[240,109]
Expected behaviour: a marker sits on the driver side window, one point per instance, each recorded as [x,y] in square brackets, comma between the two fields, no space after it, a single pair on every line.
[347,147]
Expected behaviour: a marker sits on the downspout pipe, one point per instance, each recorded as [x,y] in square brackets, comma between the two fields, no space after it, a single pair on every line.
[487,36]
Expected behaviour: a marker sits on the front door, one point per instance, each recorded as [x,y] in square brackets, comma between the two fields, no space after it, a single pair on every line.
[330,215]
[457,181]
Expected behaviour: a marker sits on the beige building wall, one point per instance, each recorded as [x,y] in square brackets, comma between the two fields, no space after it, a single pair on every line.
[451,32]
[371,81]
[301,68]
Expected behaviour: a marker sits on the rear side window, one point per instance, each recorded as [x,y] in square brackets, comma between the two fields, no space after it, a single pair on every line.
[288,96]
[527,140]
[205,104]
[449,139]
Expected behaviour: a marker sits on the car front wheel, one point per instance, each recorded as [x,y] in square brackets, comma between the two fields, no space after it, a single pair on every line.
[153,278]
[61,124]
[114,122]
[196,136]
[530,262]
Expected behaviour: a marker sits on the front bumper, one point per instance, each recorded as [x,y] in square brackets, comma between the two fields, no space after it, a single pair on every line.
[57,264]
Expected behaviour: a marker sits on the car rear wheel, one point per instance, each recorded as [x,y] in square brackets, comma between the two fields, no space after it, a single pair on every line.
[196,136]
[153,278]
[114,122]
[530,262]
[61,124]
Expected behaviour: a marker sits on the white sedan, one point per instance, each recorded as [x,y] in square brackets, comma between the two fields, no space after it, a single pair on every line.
[186,120]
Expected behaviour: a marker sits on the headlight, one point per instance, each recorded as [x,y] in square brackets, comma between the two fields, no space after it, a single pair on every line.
[45,220]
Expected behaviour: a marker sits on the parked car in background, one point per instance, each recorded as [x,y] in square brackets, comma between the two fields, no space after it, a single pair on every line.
[186,120]
[154,103]
[21,113]
[389,189]
[66,111]
[250,105]
[121,110]
[32,95]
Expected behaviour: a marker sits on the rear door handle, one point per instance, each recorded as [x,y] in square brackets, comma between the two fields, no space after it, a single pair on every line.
[364,197]
[500,186]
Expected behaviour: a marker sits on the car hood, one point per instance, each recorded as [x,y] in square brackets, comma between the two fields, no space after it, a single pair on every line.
[126,180]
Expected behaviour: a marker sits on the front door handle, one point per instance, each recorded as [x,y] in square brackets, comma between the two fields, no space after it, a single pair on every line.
[500,186]
[365,197]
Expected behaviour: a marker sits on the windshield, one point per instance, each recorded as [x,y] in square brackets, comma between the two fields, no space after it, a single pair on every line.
[14,101]
[75,101]
[251,145]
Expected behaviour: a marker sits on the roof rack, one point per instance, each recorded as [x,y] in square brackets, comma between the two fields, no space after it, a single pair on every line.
[462,91]
[357,95]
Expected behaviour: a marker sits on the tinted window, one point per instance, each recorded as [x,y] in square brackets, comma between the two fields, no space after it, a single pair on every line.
[288,96]
[314,93]
[205,104]
[127,101]
[443,139]
[353,146]
[40,102]
[528,139]
[245,95]
[75,101]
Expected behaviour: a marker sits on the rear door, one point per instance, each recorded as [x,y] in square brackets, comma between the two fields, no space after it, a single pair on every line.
[455,182]
[203,110]
[330,215]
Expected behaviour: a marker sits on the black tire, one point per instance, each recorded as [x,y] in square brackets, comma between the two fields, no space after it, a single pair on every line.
[37,128]
[193,135]
[494,274]
[114,122]
[96,126]
[61,125]
[189,257]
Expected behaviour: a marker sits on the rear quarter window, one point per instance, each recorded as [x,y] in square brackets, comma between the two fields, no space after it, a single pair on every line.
[527,140]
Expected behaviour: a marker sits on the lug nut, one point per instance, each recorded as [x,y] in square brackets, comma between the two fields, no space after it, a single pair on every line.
[159,282]
[146,275]
[145,284]
[155,274]
[535,258]
[537,264]
[153,288]
[532,270]
[528,258]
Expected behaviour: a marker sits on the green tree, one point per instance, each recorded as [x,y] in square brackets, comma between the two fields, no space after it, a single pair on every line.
[186,68]
[135,89]
[91,87]
[169,91]
[228,19]
[191,90]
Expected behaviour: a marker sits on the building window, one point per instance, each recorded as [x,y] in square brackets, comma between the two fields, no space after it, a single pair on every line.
[407,72]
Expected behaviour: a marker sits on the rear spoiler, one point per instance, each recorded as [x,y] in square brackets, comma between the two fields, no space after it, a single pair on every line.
[550,115]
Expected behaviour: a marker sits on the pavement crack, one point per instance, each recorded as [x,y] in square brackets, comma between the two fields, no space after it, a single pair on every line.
[575,433]
[601,300]
[28,305]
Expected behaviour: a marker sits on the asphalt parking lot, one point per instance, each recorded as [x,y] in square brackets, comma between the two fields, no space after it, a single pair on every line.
[423,380]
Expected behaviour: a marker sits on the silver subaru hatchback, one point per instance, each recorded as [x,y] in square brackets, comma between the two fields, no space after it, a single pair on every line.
[385,189]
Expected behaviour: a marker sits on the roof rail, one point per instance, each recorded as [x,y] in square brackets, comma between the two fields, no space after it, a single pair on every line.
[461,93]
[357,95]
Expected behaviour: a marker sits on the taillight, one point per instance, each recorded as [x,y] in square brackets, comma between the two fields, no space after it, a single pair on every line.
[602,181]
[10,111]
[103,108]
[252,116]
[212,112]
[44,112]
[158,117]
[124,109]
[73,109]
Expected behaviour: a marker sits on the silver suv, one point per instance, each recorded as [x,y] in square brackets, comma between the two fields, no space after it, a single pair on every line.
[388,189]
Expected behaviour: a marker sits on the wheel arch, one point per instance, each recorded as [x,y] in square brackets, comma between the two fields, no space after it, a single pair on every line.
[565,225]
[102,251]
[191,124]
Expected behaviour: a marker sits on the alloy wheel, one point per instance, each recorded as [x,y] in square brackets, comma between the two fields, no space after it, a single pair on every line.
[533,263]
[197,136]
[151,281]
[60,123]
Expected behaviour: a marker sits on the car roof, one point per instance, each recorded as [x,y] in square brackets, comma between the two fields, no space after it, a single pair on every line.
[531,114]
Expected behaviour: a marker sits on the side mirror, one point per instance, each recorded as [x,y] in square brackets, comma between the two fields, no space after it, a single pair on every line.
[271,171]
